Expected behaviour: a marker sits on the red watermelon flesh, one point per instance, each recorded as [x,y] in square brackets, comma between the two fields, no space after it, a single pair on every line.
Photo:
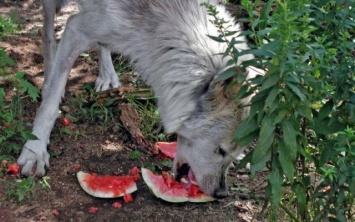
[107,186]
[167,188]
[167,148]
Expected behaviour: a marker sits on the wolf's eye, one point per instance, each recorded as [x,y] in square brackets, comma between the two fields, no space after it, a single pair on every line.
[221,151]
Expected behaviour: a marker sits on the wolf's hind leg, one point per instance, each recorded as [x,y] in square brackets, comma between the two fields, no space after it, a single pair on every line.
[107,75]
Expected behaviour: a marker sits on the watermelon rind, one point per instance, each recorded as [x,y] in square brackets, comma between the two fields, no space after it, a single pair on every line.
[201,199]
[168,149]
[101,194]
[157,186]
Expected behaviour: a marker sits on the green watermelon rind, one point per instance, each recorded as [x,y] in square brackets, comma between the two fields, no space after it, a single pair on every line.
[101,194]
[160,190]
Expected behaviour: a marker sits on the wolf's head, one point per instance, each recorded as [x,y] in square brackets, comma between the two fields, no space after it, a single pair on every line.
[205,142]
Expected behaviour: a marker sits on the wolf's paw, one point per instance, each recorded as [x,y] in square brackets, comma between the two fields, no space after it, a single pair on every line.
[34,158]
[106,81]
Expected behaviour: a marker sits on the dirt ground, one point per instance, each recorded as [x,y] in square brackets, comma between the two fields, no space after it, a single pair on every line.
[98,152]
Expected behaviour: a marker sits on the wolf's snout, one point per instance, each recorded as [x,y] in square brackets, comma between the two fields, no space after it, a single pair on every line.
[220,193]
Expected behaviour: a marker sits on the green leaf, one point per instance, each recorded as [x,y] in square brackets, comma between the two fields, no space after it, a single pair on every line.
[328,153]
[301,197]
[260,164]
[275,180]
[72,118]
[256,107]
[286,160]
[245,161]
[245,128]
[109,102]
[289,137]
[258,52]
[264,31]
[325,110]
[255,23]
[266,9]
[135,155]
[167,163]
[242,92]
[271,97]
[2,97]
[304,111]
[296,90]
[26,86]
[263,148]
[66,131]
[280,116]
[217,38]
[231,33]
[20,75]
[270,81]
[324,127]
[230,72]
[248,139]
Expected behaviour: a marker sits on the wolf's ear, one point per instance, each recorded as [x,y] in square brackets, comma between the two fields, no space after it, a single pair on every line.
[183,102]
[227,88]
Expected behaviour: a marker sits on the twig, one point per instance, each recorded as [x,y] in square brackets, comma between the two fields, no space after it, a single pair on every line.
[289,213]
[5,181]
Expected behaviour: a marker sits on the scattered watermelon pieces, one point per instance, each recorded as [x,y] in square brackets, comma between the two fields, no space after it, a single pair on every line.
[134,172]
[116,205]
[77,167]
[168,149]
[108,186]
[55,213]
[66,121]
[13,168]
[167,188]
[93,210]
[127,198]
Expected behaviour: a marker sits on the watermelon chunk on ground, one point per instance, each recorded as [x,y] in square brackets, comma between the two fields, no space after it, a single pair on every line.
[167,148]
[106,186]
[166,188]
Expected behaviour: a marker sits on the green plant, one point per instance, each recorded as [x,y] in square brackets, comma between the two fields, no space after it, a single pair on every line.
[12,129]
[94,107]
[24,188]
[303,114]
[8,25]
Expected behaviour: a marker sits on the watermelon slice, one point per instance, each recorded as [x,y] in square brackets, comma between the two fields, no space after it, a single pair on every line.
[168,149]
[107,186]
[167,188]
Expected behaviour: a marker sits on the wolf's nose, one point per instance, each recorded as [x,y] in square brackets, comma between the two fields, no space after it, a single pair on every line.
[220,193]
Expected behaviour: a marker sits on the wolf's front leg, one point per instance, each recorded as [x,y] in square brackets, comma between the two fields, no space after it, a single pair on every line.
[34,156]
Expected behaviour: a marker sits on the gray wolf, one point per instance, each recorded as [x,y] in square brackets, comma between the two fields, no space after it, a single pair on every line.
[107,76]
[167,42]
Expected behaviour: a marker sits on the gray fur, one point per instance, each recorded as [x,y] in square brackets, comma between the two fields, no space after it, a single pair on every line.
[59,4]
[167,42]
[107,76]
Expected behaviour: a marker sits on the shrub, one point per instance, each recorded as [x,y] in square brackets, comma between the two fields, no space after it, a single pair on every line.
[303,115]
